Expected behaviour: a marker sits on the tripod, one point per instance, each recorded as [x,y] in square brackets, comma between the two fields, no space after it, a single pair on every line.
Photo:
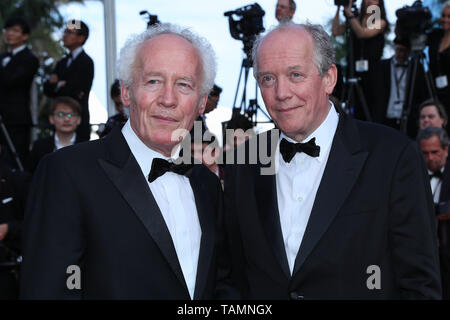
[251,110]
[10,144]
[417,59]
[352,89]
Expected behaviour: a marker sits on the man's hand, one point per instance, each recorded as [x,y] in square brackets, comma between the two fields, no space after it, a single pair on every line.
[3,231]
[348,9]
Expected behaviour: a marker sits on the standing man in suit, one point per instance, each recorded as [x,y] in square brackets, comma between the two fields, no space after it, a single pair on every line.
[433,142]
[74,73]
[18,65]
[118,209]
[340,220]
[390,84]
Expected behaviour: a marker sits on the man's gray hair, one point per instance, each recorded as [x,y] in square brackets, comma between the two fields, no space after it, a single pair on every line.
[127,59]
[323,51]
[446,5]
[429,132]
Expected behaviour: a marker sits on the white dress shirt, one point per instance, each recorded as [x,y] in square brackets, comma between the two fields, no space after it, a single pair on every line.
[175,199]
[436,184]
[6,60]
[297,183]
[59,145]
[397,97]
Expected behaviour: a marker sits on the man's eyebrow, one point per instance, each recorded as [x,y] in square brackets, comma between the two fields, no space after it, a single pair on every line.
[296,67]
[188,78]
[151,73]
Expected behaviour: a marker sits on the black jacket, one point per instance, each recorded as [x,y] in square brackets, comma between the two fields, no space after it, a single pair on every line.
[15,83]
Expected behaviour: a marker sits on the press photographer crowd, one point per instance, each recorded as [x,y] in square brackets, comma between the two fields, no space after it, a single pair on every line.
[358,206]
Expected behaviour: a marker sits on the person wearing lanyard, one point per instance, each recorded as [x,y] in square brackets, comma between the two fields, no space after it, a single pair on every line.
[433,142]
[390,101]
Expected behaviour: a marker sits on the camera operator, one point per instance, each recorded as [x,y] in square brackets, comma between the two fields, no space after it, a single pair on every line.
[368,39]
[439,54]
[390,95]
[433,142]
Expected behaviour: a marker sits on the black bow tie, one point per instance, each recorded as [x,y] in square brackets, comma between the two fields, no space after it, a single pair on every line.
[288,149]
[8,54]
[161,166]
[437,174]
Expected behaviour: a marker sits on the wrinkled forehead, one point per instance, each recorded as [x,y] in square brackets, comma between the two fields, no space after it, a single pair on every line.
[292,38]
[166,48]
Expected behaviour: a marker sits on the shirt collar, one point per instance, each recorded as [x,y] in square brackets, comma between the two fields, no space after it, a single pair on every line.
[58,144]
[395,62]
[76,52]
[431,172]
[143,154]
[324,134]
[17,50]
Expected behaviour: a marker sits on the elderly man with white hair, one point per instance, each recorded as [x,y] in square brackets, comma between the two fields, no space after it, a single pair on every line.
[117,218]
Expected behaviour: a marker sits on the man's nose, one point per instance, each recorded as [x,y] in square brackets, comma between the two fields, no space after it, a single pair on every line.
[283,90]
[167,97]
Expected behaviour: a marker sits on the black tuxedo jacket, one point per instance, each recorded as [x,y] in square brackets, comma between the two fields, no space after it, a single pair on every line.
[373,208]
[91,206]
[79,77]
[15,83]
[41,147]
[378,99]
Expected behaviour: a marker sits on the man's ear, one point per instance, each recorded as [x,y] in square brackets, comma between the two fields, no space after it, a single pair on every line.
[125,94]
[50,119]
[329,79]
[204,99]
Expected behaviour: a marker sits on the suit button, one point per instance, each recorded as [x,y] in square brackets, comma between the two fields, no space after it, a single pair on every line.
[296,296]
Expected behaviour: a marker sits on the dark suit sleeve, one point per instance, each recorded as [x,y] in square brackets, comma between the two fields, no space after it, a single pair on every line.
[50,88]
[413,229]
[78,86]
[53,233]
[225,288]
[22,75]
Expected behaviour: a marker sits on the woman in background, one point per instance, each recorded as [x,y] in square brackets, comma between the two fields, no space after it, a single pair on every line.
[368,32]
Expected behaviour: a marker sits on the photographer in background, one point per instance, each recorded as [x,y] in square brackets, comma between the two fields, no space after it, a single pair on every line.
[285,9]
[390,100]
[433,142]
[368,38]
[439,54]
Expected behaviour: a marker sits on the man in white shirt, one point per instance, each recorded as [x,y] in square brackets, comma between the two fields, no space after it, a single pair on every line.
[347,212]
[126,220]
[433,143]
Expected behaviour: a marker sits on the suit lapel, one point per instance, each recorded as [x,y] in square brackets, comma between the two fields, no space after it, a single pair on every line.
[344,164]
[206,214]
[123,170]
[445,186]
[266,193]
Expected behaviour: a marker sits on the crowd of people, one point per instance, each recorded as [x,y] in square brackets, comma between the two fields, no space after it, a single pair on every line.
[351,191]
